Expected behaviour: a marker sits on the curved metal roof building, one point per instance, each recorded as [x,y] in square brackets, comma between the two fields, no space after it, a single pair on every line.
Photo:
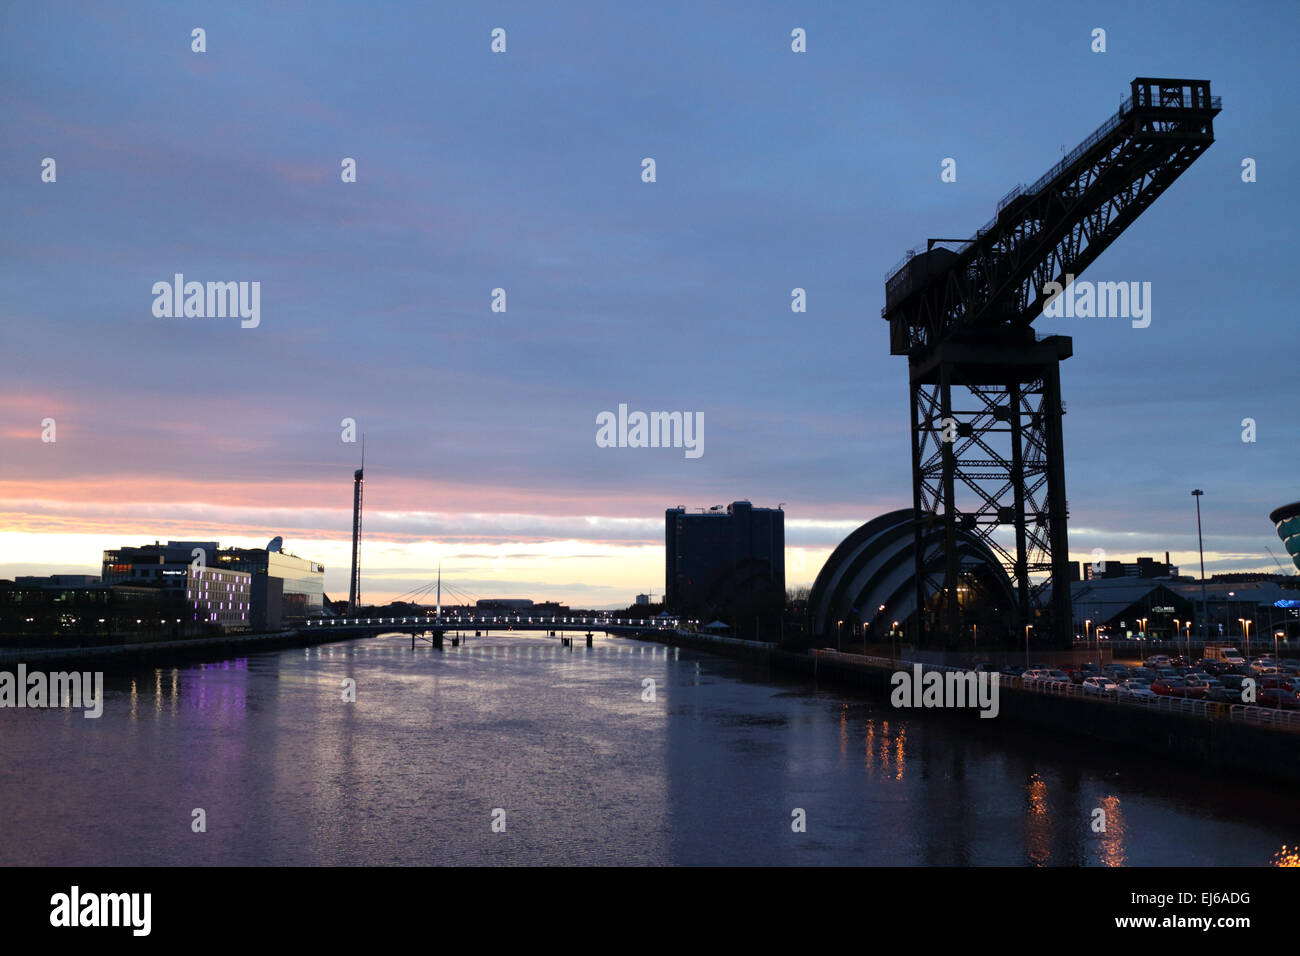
[874,566]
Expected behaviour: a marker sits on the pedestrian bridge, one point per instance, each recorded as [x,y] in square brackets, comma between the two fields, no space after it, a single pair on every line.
[418,624]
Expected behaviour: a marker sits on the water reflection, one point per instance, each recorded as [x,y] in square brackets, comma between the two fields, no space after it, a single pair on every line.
[1038,822]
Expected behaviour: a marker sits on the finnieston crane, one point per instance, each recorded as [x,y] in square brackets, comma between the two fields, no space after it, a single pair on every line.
[963,317]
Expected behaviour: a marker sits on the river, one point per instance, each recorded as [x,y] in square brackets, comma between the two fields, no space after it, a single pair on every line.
[513,750]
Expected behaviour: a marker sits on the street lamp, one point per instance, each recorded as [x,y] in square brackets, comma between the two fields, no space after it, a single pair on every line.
[839,626]
[1143,622]
[1028,628]
[1205,607]
[893,631]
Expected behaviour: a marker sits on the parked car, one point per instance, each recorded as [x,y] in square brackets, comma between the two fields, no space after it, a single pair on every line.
[1158,660]
[1177,687]
[1275,681]
[984,667]
[1116,672]
[1224,695]
[1012,670]
[1099,685]
[1279,698]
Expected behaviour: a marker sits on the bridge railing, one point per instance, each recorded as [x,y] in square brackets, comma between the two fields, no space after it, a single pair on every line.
[555,622]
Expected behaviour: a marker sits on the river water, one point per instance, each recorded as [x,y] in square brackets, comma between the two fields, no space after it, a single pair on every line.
[512,750]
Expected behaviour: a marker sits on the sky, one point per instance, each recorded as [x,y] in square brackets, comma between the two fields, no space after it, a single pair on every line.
[523,171]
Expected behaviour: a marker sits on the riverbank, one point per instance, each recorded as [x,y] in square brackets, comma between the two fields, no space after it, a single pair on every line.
[1217,737]
[178,651]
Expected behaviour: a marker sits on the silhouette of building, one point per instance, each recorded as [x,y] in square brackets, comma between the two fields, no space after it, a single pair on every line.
[726,564]
[1139,568]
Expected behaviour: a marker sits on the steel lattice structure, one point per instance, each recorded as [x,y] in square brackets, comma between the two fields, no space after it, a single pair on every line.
[985,391]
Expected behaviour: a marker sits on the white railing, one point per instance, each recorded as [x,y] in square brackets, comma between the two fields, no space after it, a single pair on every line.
[1187,706]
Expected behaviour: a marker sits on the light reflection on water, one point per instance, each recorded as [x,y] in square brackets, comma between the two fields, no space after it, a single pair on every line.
[587,770]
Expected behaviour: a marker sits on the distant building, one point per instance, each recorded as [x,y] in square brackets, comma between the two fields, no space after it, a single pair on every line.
[728,564]
[1140,568]
[34,614]
[504,604]
[57,581]
[285,587]
[186,601]
[642,599]
[1129,606]
[281,586]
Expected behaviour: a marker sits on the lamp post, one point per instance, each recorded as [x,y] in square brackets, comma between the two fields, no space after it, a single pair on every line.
[839,628]
[1028,628]
[893,632]
[1205,607]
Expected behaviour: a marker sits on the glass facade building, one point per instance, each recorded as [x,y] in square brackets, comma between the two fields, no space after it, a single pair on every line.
[1287,522]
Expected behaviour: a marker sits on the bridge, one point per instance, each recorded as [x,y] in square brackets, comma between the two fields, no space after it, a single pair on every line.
[481,623]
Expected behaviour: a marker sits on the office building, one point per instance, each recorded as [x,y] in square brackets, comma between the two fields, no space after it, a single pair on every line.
[726,563]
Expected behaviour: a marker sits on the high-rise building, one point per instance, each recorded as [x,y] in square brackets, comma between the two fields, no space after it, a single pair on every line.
[725,563]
